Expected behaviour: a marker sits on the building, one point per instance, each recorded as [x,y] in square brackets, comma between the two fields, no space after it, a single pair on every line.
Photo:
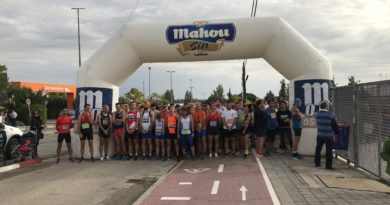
[70,90]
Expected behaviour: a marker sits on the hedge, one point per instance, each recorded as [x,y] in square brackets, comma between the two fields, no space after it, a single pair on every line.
[24,117]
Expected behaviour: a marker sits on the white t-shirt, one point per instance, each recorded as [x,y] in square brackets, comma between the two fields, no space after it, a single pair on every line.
[229,116]
[146,120]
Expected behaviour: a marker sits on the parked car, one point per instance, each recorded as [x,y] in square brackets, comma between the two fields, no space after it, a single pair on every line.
[10,138]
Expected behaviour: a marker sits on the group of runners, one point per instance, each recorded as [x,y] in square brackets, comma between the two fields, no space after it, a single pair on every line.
[197,131]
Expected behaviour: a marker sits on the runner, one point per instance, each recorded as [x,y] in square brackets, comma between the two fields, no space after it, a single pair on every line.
[118,118]
[260,127]
[84,124]
[199,117]
[247,129]
[283,116]
[297,119]
[132,121]
[147,117]
[186,131]
[104,122]
[229,119]
[171,127]
[213,122]
[159,125]
[63,125]
[272,127]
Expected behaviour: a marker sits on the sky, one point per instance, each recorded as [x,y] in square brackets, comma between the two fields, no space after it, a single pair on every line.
[38,40]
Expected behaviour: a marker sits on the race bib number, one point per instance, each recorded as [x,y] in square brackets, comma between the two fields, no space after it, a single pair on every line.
[158,132]
[185,131]
[273,115]
[118,122]
[172,126]
[66,127]
[199,125]
[130,116]
[213,123]
[105,122]
[85,126]
[145,120]
[229,122]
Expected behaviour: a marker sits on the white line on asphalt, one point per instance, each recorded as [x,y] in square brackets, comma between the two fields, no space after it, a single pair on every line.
[271,190]
[175,198]
[214,190]
[220,169]
[185,183]
[9,168]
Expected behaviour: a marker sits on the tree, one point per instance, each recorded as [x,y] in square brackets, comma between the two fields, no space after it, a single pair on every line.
[134,95]
[229,95]
[217,94]
[188,96]
[3,83]
[283,92]
[269,96]
[251,97]
[167,96]
[352,81]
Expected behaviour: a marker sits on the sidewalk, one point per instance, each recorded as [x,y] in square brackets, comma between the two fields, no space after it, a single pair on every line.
[297,182]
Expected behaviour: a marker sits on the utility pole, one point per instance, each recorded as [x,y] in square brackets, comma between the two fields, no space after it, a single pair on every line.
[78,31]
[170,78]
[149,80]
[191,87]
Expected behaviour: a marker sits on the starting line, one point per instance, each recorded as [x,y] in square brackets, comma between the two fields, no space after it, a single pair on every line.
[175,198]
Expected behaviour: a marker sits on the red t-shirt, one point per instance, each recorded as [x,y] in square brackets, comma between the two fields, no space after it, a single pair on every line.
[64,124]
[132,119]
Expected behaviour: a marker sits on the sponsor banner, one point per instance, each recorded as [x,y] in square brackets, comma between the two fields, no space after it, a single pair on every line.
[96,97]
[312,93]
[200,37]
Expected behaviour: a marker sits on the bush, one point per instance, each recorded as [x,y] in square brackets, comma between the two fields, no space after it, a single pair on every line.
[54,106]
[24,116]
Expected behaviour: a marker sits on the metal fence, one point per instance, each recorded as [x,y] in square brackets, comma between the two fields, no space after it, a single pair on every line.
[367,108]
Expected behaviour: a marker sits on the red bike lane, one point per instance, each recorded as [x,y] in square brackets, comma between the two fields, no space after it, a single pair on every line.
[213,181]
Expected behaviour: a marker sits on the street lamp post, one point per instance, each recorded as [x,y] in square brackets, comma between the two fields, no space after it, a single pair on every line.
[170,77]
[78,31]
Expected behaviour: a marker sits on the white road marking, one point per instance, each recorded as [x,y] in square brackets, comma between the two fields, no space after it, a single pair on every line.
[165,198]
[214,190]
[243,191]
[271,190]
[9,167]
[220,169]
[194,171]
[185,183]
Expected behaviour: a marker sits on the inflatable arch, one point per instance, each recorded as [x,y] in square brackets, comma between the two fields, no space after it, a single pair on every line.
[273,39]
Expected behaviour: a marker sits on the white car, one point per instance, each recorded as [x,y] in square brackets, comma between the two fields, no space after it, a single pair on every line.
[12,136]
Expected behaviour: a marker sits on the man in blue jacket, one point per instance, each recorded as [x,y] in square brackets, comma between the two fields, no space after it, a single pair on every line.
[326,129]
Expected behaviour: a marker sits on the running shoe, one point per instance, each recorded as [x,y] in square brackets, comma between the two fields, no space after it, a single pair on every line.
[210,155]
[295,156]
[92,159]
[143,157]
[194,158]
[81,160]
[129,157]
[149,157]
[71,160]
[101,158]
[135,157]
[299,156]
[108,157]
[216,155]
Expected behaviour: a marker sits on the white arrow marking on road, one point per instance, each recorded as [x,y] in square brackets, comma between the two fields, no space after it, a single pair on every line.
[214,190]
[220,169]
[243,192]
[194,171]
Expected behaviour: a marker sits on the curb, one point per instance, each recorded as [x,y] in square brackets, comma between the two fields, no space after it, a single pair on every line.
[24,164]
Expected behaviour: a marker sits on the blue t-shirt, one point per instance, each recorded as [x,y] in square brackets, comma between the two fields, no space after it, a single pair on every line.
[271,118]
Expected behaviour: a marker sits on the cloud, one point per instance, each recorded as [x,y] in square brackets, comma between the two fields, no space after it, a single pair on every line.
[39,37]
